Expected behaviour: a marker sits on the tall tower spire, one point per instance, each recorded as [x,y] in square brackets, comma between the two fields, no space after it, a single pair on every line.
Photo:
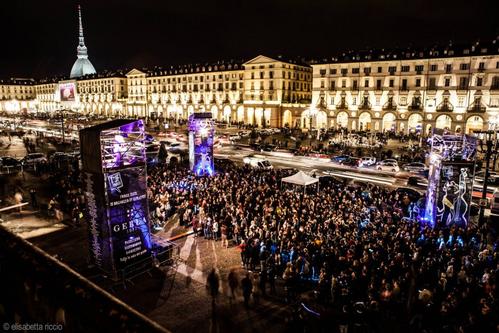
[81,49]
[82,40]
[82,66]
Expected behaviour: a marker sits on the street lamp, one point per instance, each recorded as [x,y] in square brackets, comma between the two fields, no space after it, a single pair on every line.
[312,113]
[493,126]
[489,138]
[61,115]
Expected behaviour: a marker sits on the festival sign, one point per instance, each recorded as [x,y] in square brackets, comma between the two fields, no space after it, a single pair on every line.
[114,166]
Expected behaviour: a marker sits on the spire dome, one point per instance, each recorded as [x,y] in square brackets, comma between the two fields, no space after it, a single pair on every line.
[82,65]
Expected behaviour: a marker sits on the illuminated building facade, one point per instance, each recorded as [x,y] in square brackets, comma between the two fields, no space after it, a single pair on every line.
[263,92]
[257,92]
[408,91]
[405,91]
[103,94]
[17,95]
[47,97]
[275,91]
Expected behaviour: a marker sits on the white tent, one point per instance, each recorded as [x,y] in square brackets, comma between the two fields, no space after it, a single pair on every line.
[300,178]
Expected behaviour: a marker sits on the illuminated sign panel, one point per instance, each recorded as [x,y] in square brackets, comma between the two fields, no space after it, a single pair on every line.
[127,214]
[201,136]
[67,92]
[114,165]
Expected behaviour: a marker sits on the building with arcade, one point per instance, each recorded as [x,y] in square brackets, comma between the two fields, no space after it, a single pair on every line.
[454,88]
[262,91]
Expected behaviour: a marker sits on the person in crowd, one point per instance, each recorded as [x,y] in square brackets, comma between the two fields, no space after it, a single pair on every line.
[247,287]
[242,249]
[18,199]
[215,230]
[233,282]
[213,286]
[263,282]
[224,230]
[34,201]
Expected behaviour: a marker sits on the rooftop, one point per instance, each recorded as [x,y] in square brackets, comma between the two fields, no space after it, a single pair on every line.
[489,47]
[486,47]
[17,81]
[221,65]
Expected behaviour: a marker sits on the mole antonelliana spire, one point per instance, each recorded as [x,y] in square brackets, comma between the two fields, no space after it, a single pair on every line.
[82,65]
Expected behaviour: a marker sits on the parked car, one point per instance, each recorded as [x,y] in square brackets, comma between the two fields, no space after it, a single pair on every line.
[414,167]
[493,177]
[367,161]
[244,133]
[255,146]
[176,146]
[417,181]
[257,162]
[234,137]
[388,166]
[392,160]
[268,147]
[166,143]
[59,157]
[8,161]
[352,161]
[75,153]
[340,158]
[34,158]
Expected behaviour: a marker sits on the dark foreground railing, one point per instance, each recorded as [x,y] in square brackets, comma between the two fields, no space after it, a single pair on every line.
[37,289]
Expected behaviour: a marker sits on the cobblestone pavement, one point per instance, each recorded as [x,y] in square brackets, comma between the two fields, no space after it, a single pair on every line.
[186,306]
[175,297]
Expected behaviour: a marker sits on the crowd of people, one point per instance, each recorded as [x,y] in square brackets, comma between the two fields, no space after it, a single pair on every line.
[67,201]
[367,261]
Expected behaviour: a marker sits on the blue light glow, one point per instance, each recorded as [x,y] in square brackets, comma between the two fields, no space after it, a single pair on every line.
[201,134]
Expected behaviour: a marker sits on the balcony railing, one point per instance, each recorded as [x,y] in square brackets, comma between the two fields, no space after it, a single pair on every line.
[321,104]
[445,107]
[365,106]
[342,106]
[390,106]
[477,108]
[415,107]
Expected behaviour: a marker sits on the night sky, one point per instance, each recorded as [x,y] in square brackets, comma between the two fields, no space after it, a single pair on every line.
[39,37]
